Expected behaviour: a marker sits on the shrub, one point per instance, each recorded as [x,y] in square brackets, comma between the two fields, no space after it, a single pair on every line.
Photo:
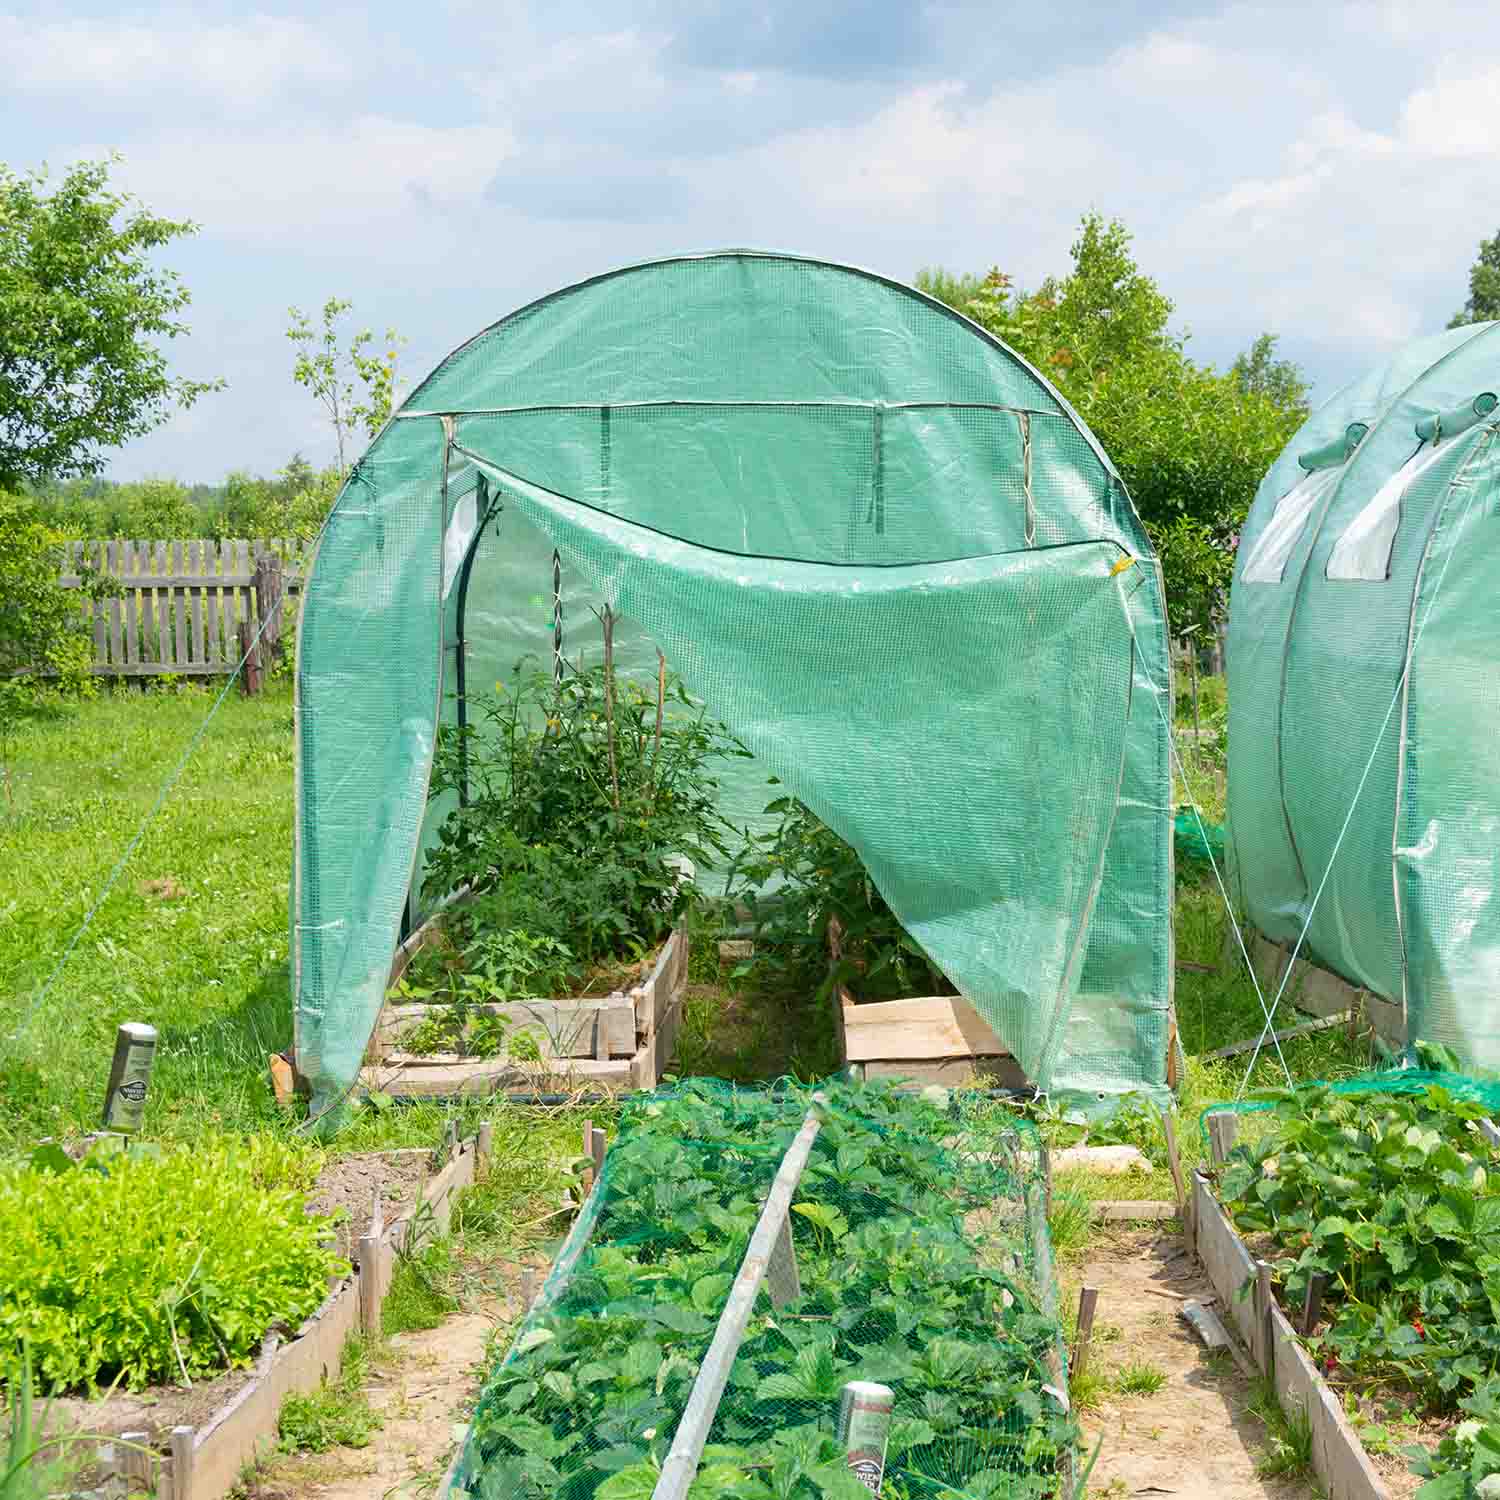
[152,1268]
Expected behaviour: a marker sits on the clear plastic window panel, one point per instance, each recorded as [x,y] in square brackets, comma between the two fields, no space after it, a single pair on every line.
[1267,561]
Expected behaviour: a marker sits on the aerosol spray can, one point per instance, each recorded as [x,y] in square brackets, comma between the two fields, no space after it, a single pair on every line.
[864,1425]
[129,1075]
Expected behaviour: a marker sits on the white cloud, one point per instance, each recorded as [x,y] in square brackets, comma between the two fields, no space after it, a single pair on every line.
[247,62]
[384,182]
[1455,117]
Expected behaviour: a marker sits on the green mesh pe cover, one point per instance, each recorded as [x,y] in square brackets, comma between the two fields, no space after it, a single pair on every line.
[1390,567]
[869,537]
[922,1262]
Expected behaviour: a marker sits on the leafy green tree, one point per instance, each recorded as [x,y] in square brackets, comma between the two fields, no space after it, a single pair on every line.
[1258,370]
[44,651]
[1483,305]
[1190,442]
[355,387]
[82,311]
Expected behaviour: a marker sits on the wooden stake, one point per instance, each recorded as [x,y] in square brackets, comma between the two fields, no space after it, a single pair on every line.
[1222,1129]
[182,1463]
[607,620]
[597,1148]
[134,1464]
[1312,1306]
[369,1284]
[588,1150]
[1088,1298]
[486,1141]
[1265,1300]
[1174,1165]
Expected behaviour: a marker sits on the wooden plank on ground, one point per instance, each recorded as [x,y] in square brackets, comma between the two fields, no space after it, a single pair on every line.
[1307,1028]
[246,1427]
[567,1027]
[490,1077]
[939,1026]
[951,1072]
[1131,1208]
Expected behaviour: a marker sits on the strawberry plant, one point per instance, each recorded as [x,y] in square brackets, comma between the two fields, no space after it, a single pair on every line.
[1392,1197]
[895,1288]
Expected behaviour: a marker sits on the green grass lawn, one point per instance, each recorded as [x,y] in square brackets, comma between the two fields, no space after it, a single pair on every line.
[193,935]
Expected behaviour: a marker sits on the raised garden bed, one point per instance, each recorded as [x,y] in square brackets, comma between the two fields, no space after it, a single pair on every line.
[201,1440]
[1351,1239]
[652,1357]
[1322,993]
[609,1044]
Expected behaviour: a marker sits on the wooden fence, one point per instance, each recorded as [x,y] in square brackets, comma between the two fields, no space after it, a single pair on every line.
[186,608]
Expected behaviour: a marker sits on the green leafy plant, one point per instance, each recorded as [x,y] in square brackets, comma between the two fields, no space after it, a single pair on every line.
[1466,1464]
[83,315]
[331,371]
[581,797]
[1391,1197]
[796,880]
[895,1288]
[147,1268]
[1139,1378]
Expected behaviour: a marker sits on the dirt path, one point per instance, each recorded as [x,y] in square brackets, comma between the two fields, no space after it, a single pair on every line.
[1194,1438]
[420,1388]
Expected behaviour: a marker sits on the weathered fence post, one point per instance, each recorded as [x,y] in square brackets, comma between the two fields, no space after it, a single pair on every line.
[269,589]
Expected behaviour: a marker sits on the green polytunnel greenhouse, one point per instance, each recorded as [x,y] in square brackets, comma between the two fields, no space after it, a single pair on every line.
[1364,643]
[870,538]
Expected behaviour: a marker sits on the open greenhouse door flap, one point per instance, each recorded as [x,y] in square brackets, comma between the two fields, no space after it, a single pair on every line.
[962,724]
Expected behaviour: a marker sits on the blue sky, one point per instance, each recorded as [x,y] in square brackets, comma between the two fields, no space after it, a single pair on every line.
[1321,171]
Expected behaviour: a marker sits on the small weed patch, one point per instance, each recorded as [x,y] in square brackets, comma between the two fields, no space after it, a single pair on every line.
[420,1297]
[1288,1442]
[1139,1378]
[337,1414]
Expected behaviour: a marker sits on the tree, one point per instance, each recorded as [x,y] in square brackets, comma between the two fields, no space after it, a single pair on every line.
[1191,444]
[43,646]
[1483,305]
[331,372]
[1258,370]
[82,309]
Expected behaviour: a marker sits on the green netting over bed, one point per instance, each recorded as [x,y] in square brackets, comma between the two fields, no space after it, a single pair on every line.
[1363,642]
[867,536]
[922,1263]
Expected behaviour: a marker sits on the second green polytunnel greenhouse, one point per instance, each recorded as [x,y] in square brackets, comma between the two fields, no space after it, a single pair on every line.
[868,536]
[1364,640]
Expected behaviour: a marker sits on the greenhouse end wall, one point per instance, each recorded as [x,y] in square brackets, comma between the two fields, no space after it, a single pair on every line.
[764,413]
